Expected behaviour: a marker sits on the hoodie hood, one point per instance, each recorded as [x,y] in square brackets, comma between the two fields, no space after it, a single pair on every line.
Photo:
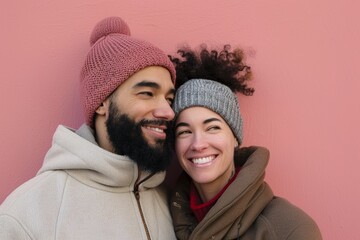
[77,153]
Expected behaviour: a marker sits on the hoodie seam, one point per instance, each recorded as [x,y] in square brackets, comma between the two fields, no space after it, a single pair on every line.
[19,223]
[29,188]
[60,207]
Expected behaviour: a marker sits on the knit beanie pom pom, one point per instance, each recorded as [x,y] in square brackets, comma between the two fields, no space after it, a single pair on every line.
[107,26]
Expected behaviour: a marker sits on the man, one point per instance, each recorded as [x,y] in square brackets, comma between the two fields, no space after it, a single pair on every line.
[101,181]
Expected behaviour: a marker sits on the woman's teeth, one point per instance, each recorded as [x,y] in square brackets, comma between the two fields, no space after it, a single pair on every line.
[203,160]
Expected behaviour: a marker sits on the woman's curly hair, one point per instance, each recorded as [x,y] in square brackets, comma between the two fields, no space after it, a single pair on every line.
[226,66]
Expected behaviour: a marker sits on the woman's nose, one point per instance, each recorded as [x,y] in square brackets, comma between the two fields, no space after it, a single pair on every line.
[198,143]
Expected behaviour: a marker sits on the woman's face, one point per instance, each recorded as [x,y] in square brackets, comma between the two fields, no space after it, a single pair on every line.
[204,145]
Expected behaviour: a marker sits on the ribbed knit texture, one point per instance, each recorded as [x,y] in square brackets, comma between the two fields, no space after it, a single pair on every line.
[214,96]
[113,58]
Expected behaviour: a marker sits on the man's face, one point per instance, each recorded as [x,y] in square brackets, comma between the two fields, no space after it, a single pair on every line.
[138,116]
[147,95]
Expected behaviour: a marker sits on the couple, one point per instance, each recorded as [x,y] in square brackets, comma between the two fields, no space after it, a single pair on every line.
[103,180]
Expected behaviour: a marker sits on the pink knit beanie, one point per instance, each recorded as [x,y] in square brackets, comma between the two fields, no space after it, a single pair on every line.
[113,58]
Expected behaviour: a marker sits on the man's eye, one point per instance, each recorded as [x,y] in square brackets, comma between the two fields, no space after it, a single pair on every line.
[150,94]
[170,100]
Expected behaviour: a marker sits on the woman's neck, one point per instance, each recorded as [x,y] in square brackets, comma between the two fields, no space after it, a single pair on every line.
[207,191]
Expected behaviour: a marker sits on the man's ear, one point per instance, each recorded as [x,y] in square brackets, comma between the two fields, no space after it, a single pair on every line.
[103,108]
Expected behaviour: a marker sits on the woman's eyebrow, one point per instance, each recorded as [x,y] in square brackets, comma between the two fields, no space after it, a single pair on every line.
[211,120]
[181,124]
[184,124]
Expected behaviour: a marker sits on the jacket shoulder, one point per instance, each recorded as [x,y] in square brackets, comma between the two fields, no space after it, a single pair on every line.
[287,221]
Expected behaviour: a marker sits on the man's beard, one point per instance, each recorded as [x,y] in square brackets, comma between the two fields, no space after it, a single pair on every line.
[127,139]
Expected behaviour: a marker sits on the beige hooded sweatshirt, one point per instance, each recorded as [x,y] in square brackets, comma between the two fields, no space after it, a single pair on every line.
[85,192]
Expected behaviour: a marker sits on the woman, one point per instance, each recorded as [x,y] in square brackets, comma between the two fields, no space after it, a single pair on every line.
[222,194]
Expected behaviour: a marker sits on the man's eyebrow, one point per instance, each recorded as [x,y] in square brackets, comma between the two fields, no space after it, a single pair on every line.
[151,84]
[172,91]
[147,84]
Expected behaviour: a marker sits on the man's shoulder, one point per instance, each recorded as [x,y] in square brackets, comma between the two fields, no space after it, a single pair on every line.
[33,205]
[32,193]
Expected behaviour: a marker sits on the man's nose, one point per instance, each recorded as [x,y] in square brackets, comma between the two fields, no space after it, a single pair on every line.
[164,111]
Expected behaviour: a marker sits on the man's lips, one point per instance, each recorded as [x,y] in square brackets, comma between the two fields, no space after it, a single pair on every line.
[155,131]
[156,128]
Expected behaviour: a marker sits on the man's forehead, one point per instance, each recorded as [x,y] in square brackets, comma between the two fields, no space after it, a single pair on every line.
[155,77]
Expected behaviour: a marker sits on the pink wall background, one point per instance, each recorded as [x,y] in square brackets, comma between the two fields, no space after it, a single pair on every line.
[306,110]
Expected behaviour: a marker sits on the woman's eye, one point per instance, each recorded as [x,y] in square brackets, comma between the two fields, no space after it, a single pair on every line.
[184,132]
[213,128]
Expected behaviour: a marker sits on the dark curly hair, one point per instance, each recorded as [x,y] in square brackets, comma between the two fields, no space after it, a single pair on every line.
[226,66]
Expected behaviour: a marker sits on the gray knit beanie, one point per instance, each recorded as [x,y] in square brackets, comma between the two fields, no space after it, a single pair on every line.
[214,96]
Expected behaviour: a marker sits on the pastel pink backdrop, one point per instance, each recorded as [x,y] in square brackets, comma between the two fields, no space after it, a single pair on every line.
[306,110]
